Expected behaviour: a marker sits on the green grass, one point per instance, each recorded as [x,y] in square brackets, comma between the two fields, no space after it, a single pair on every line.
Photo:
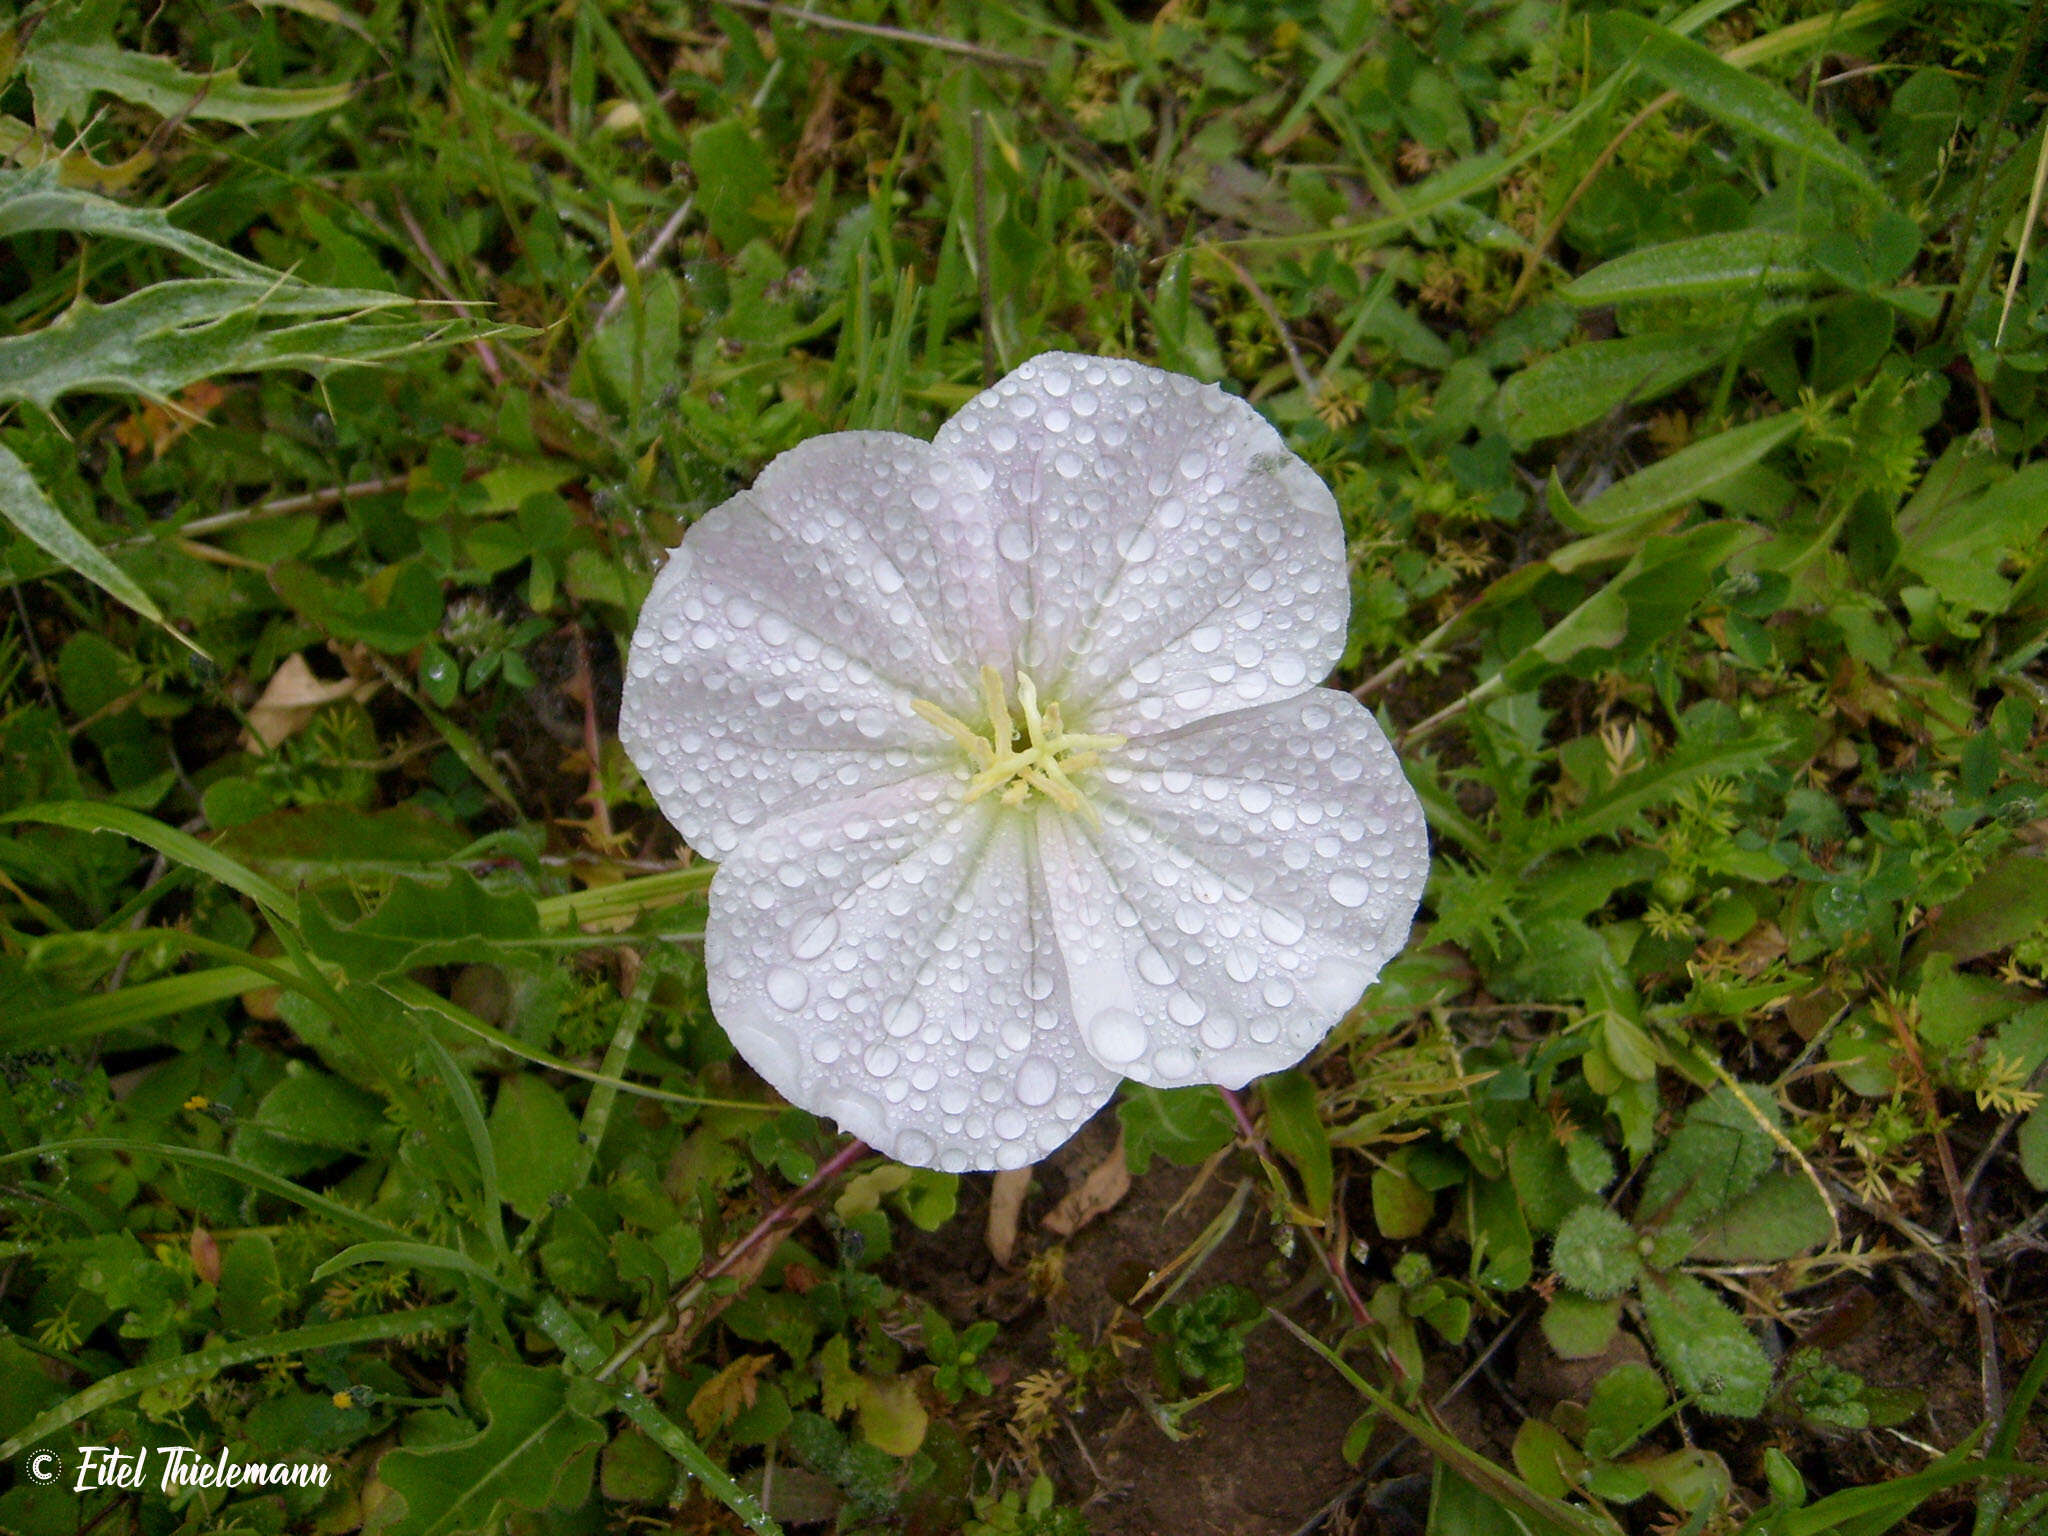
[1678,376]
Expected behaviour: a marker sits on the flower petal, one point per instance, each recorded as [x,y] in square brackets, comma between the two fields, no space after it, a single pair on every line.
[1169,557]
[1251,875]
[776,658]
[887,962]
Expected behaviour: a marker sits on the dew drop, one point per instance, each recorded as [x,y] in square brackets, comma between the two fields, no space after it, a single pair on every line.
[1116,1036]
[1280,927]
[787,988]
[881,1060]
[1037,1081]
[1014,542]
[1348,888]
[1219,1032]
[1010,1123]
[1255,798]
[1155,967]
[816,938]
[916,1148]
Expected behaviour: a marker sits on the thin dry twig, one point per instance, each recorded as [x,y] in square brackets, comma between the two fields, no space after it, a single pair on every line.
[1271,311]
[1966,1224]
[486,354]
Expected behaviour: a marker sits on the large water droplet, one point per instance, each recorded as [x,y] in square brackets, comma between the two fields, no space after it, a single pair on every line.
[1014,541]
[1037,1080]
[902,1019]
[1348,888]
[787,988]
[1115,1036]
[816,938]
[1255,798]
[1280,927]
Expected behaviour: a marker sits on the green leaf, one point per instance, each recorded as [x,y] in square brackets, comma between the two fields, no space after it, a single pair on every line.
[1956,547]
[157,340]
[1705,1346]
[23,504]
[1713,1159]
[533,1137]
[1581,384]
[1183,1125]
[1688,475]
[178,847]
[1297,1130]
[203,1364]
[1580,1327]
[1783,1216]
[410,1256]
[733,172]
[890,1417]
[70,58]
[1732,263]
[2033,1146]
[536,1452]
[1726,94]
[229,1167]
[307,1121]
[1401,1208]
[2003,905]
[37,199]
[1595,1252]
[425,922]
[1625,1403]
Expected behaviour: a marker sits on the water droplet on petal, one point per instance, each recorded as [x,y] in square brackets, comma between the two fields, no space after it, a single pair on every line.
[1037,1080]
[787,988]
[1115,1036]
[1348,888]
[816,938]
[1280,927]
[1014,542]
[1255,798]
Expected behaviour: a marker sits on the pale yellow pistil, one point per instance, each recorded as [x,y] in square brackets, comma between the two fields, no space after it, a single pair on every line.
[1029,750]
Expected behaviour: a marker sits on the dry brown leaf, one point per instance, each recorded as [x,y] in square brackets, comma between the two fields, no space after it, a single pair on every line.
[1107,1183]
[1005,1205]
[289,699]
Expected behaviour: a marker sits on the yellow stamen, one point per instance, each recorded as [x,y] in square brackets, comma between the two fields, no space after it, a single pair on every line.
[1024,751]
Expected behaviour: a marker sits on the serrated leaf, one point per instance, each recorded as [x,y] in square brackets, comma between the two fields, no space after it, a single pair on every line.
[159,339]
[23,504]
[1728,95]
[1732,262]
[424,922]
[1708,1350]
[535,1452]
[721,1399]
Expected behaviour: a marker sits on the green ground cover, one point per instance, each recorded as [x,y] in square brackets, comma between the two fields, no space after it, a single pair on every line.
[1678,374]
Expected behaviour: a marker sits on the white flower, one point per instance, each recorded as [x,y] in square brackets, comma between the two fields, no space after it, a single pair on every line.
[1010,748]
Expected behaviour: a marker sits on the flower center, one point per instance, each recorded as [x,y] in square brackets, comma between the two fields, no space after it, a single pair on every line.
[1025,750]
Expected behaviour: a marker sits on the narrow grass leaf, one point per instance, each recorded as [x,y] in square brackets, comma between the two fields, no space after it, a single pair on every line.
[178,847]
[228,1167]
[219,1357]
